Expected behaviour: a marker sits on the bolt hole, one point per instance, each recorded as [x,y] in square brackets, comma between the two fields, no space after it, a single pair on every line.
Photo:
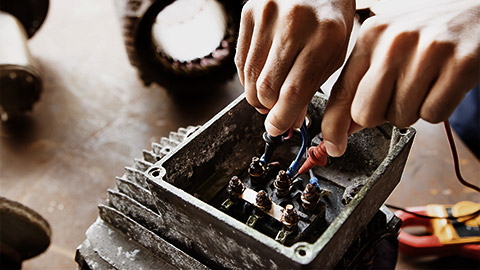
[301,251]
[167,149]
[155,172]
[403,131]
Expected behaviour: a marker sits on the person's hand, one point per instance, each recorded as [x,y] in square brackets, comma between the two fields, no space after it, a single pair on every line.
[417,60]
[286,50]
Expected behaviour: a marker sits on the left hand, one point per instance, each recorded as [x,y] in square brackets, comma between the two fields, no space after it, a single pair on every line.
[286,50]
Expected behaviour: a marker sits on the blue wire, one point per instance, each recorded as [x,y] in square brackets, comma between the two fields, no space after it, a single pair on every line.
[295,166]
[314,182]
[262,158]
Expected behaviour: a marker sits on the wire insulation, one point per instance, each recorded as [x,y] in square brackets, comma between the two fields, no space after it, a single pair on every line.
[471,215]
[456,164]
[293,169]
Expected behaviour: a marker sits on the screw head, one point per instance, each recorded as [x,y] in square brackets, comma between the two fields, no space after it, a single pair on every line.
[263,200]
[235,186]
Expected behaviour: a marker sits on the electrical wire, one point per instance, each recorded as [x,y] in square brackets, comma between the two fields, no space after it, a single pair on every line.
[470,216]
[295,165]
[453,148]
[272,143]
[456,165]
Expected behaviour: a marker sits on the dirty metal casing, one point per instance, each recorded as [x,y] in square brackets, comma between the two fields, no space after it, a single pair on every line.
[20,78]
[137,18]
[127,234]
[184,182]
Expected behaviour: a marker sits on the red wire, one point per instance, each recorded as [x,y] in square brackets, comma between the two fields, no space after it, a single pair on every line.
[290,133]
[456,164]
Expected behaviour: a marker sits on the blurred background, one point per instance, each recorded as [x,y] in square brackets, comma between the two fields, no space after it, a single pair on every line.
[95,115]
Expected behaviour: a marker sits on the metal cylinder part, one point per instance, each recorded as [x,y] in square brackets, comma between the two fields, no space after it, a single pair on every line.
[147,52]
[31,13]
[20,79]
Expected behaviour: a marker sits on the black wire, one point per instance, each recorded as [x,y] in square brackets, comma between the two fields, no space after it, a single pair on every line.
[470,216]
[456,165]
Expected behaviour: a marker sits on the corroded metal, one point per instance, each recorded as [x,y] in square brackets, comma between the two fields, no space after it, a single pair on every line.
[185,184]
[256,169]
[282,183]
[289,217]
[263,201]
[235,186]
[310,197]
[235,130]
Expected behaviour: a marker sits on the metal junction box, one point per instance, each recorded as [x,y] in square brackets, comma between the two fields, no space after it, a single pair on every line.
[170,205]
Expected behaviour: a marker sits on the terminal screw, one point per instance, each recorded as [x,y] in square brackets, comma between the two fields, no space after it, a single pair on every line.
[310,197]
[235,186]
[256,169]
[263,201]
[290,217]
[282,183]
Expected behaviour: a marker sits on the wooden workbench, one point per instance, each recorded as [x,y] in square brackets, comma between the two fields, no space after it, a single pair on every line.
[95,117]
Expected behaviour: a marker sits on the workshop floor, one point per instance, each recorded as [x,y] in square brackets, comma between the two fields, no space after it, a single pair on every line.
[95,117]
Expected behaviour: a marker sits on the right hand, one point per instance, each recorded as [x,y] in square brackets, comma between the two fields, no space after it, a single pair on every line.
[417,59]
[286,50]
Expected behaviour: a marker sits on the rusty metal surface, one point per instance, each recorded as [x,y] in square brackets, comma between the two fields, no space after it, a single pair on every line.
[95,116]
[224,146]
[132,221]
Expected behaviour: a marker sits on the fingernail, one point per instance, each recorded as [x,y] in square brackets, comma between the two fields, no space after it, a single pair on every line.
[332,149]
[272,130]
[263,111]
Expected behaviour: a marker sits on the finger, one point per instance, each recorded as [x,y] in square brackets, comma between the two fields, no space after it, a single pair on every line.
[455,80]
[354,127]
[277,65]
[296,92]
[332,42]
[337,120]
[259,51]
[414,85]
[301,118]
[373,95]
[375,91]
[243,43]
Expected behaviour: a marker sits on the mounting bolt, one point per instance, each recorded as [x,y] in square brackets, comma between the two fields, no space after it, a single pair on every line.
[256,169]
[282,183]
[263,201]
[290,217]
[310,197]
[235,187]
